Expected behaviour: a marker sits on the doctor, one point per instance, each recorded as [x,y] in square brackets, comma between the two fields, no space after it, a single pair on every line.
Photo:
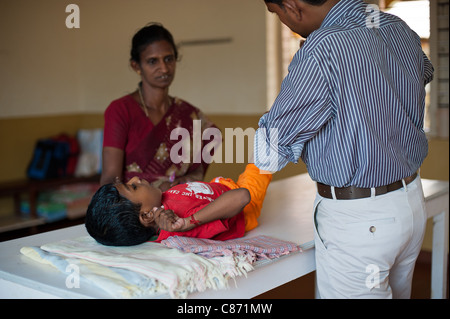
[352,108]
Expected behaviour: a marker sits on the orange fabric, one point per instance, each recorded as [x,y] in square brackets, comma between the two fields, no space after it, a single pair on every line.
[256,184]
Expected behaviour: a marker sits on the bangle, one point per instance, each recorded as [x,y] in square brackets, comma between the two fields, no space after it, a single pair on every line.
[193,221]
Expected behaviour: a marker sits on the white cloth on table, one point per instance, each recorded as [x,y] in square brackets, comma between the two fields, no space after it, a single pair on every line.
[153,269]
[144,270]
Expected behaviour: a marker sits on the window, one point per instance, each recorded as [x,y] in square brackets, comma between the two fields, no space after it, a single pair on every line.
[438,112]
[417,15]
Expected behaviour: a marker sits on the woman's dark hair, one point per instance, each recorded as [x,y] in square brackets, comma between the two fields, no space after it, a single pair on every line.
[147,35]
[113,220]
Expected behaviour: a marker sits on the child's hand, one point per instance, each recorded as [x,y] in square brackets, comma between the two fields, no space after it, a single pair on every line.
[167,220]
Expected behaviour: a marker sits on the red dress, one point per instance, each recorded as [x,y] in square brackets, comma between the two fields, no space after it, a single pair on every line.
[146,146]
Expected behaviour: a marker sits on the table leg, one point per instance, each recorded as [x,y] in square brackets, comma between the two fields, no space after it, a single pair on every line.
[439,260]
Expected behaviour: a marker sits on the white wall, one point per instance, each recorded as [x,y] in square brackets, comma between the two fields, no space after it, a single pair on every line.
[46,68]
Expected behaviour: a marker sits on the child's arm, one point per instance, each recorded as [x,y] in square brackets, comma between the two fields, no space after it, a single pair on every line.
[225,206]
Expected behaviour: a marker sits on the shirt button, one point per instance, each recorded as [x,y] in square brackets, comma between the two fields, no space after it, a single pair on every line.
[372,229]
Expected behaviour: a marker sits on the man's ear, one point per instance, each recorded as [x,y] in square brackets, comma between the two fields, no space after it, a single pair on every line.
[146,218]
[293,8]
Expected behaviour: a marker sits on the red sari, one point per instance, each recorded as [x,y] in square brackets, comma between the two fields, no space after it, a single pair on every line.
[147,147]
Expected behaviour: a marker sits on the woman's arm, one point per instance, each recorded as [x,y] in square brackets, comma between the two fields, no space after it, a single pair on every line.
[112,164]
[225,206]
[194,176]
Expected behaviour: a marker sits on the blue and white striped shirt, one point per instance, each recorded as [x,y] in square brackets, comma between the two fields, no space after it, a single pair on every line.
[352,104]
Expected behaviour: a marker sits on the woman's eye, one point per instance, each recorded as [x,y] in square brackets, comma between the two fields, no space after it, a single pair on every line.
[134,186]
[170,59]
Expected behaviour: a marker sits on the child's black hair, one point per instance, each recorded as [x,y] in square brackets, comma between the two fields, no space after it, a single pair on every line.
[113,220]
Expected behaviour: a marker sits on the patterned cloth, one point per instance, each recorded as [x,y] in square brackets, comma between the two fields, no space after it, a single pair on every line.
[254,249]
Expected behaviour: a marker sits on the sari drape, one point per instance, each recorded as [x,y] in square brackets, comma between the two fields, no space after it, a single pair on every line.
[151,158]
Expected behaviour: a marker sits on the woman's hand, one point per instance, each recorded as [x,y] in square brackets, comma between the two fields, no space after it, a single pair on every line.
[164,186]
[112,165]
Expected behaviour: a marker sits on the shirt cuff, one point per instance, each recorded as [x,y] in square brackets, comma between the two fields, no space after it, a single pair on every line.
[267,154]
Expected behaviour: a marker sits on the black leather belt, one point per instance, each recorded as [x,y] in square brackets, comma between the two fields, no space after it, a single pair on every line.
[353,192]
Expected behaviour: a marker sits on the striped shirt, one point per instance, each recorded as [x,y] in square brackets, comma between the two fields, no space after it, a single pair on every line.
[352,104]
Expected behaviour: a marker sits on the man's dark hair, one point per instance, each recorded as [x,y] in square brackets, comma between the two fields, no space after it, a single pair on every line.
[113,220]
[311,2]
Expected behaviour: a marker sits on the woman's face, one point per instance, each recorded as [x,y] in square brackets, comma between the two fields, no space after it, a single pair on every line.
[157,65]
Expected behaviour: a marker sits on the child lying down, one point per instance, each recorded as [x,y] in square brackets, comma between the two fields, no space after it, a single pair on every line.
[132,213]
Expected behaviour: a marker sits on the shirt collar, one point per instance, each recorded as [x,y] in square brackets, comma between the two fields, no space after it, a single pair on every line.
[340,10]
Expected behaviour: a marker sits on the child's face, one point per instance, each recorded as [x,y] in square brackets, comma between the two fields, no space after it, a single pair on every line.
[140,191]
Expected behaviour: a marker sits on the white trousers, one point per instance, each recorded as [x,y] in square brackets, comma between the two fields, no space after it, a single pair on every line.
[367,248]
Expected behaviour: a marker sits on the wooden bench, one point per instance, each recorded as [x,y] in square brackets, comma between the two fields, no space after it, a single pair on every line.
[32,188]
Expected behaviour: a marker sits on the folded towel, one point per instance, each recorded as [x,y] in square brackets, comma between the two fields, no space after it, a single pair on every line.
[142,270]
[116,282]
[153,269]
[253,249]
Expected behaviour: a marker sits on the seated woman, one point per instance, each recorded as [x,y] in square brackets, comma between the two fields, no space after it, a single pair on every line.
[138,126]
[131,213]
